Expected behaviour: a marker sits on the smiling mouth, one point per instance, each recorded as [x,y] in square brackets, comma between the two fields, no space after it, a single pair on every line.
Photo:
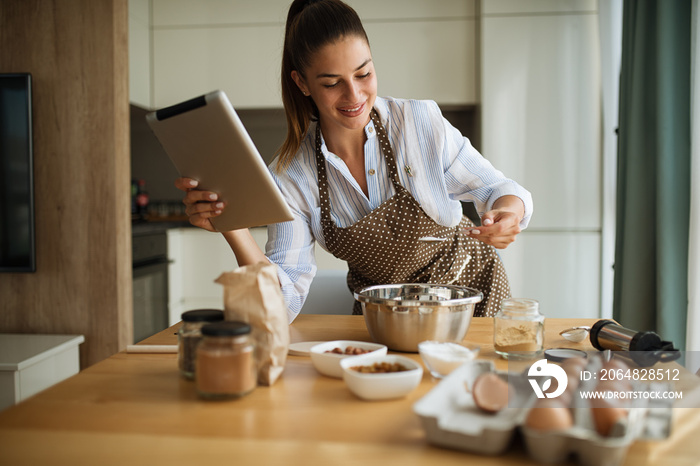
[354,109]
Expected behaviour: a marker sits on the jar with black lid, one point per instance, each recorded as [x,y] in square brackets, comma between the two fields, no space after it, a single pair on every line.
[226,366]
[190,335]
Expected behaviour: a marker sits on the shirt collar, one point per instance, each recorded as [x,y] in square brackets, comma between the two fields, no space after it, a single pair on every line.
[370,130]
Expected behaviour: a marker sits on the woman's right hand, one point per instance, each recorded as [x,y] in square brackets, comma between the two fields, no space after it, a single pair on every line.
[200,206]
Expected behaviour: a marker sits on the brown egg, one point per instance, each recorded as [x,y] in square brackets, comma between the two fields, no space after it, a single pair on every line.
[606,414]
[549,414]
[566,398]
[490,392]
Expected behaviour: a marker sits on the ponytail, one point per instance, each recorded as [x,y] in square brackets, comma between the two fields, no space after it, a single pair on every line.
[311,24]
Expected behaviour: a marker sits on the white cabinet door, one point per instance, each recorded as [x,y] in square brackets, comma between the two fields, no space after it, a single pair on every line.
[508,7]
[198,258]
[140,53]
[421,49]
[426,59]
[541,112]
[242,61]
[541,126]
[560,270]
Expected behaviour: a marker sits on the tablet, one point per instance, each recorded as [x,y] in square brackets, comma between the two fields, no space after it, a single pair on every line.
[206,141]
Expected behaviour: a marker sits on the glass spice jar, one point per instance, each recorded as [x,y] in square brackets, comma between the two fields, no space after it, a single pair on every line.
[226,366]
[518,329]
[189,336]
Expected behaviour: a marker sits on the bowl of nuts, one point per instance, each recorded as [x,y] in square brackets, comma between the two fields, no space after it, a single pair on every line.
[326,356]
[373,377]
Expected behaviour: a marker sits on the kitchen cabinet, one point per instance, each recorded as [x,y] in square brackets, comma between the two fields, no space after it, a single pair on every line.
[32,363]
[541,124]
[140,53]
[560,270]
[548,7]
[197,258]
[421,49]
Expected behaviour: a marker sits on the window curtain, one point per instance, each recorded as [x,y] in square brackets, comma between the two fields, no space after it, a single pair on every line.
[653,172]
[693,337]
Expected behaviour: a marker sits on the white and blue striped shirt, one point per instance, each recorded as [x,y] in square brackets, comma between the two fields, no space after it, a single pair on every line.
[444,167]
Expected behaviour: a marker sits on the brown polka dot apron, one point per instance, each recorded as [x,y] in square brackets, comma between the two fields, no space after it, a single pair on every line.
[383,246]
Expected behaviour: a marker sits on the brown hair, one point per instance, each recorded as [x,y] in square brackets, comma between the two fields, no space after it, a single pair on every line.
[311,24]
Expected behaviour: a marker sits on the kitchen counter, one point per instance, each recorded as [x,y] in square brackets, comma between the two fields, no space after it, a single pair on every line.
[136,409]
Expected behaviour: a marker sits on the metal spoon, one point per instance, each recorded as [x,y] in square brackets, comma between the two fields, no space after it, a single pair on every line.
[431,239]
[575,334]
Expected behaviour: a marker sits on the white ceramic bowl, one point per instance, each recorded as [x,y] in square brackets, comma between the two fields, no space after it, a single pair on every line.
[442,357]
[382,386]
[329,363]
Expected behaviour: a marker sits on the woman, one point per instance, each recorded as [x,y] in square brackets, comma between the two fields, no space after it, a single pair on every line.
[367,177]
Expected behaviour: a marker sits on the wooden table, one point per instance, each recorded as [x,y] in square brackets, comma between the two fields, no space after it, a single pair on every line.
[135,409]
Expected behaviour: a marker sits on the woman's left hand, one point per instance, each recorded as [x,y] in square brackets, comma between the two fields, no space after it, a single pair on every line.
[500,226]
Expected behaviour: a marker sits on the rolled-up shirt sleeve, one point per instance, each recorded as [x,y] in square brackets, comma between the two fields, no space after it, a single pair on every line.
[290,246]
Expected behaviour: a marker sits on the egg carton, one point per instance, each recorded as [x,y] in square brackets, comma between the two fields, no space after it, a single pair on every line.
[451,419]
[645,419]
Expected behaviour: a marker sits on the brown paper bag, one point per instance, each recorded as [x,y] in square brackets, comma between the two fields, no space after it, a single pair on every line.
[252,294]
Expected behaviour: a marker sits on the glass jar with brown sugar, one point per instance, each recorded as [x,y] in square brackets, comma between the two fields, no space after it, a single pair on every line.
[518,329]
[190,334]
[226,366]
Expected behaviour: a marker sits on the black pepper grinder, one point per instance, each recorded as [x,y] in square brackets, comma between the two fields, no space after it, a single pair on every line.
[644,348]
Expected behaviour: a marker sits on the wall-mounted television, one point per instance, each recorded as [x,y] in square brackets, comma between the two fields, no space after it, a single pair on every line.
[17,247]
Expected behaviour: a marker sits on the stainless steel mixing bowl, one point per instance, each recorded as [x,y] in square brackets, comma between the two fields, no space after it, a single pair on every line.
[401,316]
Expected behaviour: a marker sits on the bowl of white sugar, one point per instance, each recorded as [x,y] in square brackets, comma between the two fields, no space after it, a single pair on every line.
[442,357]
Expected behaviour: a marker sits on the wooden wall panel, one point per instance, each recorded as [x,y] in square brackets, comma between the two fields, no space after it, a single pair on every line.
[77,53]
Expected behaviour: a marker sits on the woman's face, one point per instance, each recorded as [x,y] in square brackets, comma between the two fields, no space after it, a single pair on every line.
[342,82]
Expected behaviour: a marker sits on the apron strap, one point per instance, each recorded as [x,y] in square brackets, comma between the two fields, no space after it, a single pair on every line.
[386,150]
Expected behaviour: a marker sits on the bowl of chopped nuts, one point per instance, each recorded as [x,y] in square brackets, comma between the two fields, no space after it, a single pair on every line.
[326,356]
[386,377]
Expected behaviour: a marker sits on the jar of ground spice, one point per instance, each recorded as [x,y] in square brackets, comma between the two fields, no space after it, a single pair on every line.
[190,334]
[518,329]
[226,365]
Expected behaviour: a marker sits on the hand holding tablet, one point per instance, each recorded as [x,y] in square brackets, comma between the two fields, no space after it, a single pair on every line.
[207,142]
